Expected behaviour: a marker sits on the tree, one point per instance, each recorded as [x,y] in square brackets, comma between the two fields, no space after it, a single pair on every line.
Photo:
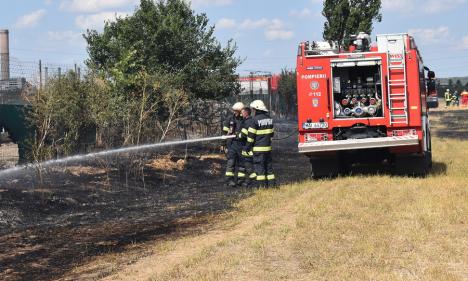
[61,118]
[167,37]
[287,88]
[458,86]
[450,85]
[347,17]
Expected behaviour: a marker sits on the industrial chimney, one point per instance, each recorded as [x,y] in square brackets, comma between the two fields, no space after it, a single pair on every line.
[4,55]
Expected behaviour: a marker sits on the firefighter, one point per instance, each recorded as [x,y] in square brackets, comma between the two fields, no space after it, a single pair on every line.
[247,153]
[235,172]
[448,98]
[260,134]
[455,99]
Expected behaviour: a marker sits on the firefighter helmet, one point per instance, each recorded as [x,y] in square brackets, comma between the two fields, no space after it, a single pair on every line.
[258,105]
[238,106]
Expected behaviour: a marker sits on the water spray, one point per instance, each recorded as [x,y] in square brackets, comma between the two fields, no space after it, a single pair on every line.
[109,152]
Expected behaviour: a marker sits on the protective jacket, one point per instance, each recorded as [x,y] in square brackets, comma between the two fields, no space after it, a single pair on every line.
[448,96]
[246,124]
[260,133]
[235,169]
[233,126]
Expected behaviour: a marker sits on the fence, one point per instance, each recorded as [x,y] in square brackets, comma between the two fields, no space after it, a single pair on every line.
[37,73]
[280,106]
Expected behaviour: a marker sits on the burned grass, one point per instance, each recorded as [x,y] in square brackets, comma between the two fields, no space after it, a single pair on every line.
[363,227]
[182,223]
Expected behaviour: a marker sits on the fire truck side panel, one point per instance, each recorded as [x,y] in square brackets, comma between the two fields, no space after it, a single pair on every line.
[313,84]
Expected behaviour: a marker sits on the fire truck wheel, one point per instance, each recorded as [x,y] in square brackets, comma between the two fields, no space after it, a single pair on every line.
[413,164]
[324,167]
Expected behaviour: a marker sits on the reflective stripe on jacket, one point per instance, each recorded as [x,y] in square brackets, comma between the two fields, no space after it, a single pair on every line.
[448,96]
[260,133]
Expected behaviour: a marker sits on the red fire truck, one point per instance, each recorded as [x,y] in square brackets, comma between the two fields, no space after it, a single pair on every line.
[364,105]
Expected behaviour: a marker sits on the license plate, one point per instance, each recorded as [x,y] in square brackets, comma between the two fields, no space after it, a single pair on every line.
[315,125]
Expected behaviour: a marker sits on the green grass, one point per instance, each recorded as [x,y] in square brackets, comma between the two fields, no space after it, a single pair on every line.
[376,227]
[349,228]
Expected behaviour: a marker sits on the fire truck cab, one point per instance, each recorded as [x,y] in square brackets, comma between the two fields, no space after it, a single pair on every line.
[364,105]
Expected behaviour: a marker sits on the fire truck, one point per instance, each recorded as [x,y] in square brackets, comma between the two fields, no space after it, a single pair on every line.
[366,104]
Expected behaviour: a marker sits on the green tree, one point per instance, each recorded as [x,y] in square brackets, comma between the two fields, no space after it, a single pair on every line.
[458,86]
[61,117]
[287,89]
[450,85]
[166,37]
[347,17]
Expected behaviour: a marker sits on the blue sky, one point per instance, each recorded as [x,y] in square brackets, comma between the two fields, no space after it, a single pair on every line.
[266,32]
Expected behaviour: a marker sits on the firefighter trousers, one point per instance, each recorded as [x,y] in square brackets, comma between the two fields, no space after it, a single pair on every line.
[263,166]
[249,168]
[235,170]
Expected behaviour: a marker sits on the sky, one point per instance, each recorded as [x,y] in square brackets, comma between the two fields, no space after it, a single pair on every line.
[267,32]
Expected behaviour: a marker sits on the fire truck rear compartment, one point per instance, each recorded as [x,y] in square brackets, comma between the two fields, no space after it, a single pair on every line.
[357,90]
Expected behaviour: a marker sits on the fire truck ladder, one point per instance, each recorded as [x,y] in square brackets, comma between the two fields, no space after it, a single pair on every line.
[397,87]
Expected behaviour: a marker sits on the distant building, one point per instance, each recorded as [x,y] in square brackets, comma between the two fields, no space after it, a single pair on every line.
[259,84]
[14,84]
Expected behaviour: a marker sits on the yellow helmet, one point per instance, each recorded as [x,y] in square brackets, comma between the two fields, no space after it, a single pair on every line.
[258,105]
[238,106]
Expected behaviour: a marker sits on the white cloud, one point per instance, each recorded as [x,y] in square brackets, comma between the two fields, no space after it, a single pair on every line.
[435,6]
[93,6]
[31,19]
[430,35]
[274,29]
[226,23]
[278,34]
[211,2]
[48,2]
[303,14]
[398,5]
[426,6]
[262,23]
[69,36]
[254,24]
[464,43]
[267,53]
[96,21]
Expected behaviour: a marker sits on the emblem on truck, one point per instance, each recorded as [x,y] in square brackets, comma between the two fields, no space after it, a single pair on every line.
[314,85]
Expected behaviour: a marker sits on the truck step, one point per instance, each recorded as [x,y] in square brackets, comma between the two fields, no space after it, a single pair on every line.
[399,116]
[397,108]
[398,94]
[396,66]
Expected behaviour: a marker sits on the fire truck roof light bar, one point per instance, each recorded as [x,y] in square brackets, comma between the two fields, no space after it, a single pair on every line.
[354,144]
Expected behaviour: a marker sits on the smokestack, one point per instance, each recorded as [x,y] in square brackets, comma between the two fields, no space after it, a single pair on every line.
[4,55]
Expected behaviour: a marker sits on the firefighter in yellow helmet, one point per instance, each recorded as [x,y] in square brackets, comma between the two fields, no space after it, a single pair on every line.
[235,171]
[260,134]
[247,154]
[448,98]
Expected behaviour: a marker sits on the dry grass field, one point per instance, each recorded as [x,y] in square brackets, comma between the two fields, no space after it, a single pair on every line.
[360,227]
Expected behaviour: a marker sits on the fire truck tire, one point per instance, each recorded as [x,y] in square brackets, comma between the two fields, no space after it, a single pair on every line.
[413,164]
[324,167]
